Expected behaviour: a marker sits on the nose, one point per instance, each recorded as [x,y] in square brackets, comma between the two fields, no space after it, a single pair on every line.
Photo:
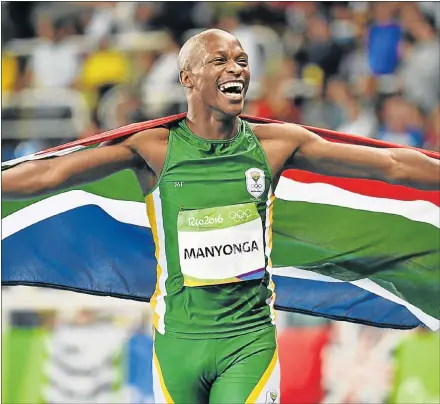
[234,68]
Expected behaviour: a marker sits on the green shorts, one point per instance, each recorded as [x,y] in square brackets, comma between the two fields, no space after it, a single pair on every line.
[241,369]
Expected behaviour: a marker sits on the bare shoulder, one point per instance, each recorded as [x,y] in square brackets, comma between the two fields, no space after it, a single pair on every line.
[151,146]
[288,133]
[153,135]
[149,135]
[279,141]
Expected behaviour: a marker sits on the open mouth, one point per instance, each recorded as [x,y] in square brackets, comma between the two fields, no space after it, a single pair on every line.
[232,89]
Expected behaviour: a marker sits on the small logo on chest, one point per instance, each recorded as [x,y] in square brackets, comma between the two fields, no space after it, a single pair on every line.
[255,182]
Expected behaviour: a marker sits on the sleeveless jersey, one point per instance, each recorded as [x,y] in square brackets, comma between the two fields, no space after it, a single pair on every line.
[210,214]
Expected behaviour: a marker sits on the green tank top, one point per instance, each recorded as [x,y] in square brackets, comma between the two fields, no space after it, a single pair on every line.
[210,214]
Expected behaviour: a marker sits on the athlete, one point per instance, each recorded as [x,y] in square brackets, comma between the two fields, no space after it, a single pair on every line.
[208,181]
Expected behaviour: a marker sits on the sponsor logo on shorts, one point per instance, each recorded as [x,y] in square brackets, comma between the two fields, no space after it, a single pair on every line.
[271,397]
[220,250]
[255,182]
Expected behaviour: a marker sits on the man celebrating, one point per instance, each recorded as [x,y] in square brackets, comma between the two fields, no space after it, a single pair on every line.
[208,180]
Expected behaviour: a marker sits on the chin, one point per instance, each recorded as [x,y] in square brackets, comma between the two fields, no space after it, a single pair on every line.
[228,106]
[231,110]
[233,113]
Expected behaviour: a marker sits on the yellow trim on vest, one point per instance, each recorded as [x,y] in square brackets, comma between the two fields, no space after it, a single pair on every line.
[271,283]
[152,218]
[190,281]
[165,392]
[272,199]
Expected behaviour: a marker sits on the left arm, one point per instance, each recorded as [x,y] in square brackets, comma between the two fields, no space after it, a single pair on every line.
[398,166]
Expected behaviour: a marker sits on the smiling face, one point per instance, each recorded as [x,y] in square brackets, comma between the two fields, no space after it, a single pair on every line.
[216,72]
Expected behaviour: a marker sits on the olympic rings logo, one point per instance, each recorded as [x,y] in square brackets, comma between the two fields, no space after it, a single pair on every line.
[257,186]
[241,215]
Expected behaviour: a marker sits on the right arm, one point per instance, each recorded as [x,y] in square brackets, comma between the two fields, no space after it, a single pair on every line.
[39,177]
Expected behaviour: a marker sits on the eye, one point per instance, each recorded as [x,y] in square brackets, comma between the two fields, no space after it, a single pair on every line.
[218,61]
[242,62]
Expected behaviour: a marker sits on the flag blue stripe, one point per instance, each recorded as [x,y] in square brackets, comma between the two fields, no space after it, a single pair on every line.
[341,301]
[84,248]
[87,250]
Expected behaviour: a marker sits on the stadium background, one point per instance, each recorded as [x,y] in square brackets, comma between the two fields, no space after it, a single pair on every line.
[72,69]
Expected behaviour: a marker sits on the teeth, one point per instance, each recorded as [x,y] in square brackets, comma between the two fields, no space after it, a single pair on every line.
[231,84]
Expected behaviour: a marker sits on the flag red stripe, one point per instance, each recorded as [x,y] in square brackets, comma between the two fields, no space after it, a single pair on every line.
[327,134]
[377,189]
[334,136]
[339,137]
[116,133]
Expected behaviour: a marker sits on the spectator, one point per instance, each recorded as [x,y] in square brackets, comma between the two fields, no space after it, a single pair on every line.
[343,27]
[359,120]
[10,73]
[408,14]
[174,17]
[143,61]
[144,16]
[298,13]
[161,85]
[129,108]
[356,118]
[402,123]
[354,67]
[320,49]
[420,78]
[274,103]
[54,61]
[246,36]
[104,69]
[324,110]
[100,21]
[433,130]
[384,36]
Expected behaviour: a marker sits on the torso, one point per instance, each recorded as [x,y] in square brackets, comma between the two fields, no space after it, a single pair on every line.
[225,293]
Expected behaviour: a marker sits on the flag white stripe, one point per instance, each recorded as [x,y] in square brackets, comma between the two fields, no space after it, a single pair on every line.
[124,211]
[293,272]
[366,284]
[325,194]
[35,156]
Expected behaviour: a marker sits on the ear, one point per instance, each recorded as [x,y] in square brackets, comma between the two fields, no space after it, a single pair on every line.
[185,79]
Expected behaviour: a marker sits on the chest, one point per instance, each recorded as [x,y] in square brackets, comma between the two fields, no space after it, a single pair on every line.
[214,176]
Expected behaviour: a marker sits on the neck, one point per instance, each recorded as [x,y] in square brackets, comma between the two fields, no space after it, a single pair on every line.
[211,125]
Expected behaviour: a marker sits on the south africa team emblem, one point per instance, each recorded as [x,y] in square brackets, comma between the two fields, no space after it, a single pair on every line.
[255,183]
[271,397]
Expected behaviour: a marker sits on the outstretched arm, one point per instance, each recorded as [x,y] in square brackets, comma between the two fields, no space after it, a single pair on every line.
[40,177]
[398,165]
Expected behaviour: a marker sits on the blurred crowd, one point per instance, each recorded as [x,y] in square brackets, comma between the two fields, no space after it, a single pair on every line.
[370,69]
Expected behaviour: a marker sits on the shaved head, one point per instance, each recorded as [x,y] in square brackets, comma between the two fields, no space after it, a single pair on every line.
[195,47]
[214,71]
